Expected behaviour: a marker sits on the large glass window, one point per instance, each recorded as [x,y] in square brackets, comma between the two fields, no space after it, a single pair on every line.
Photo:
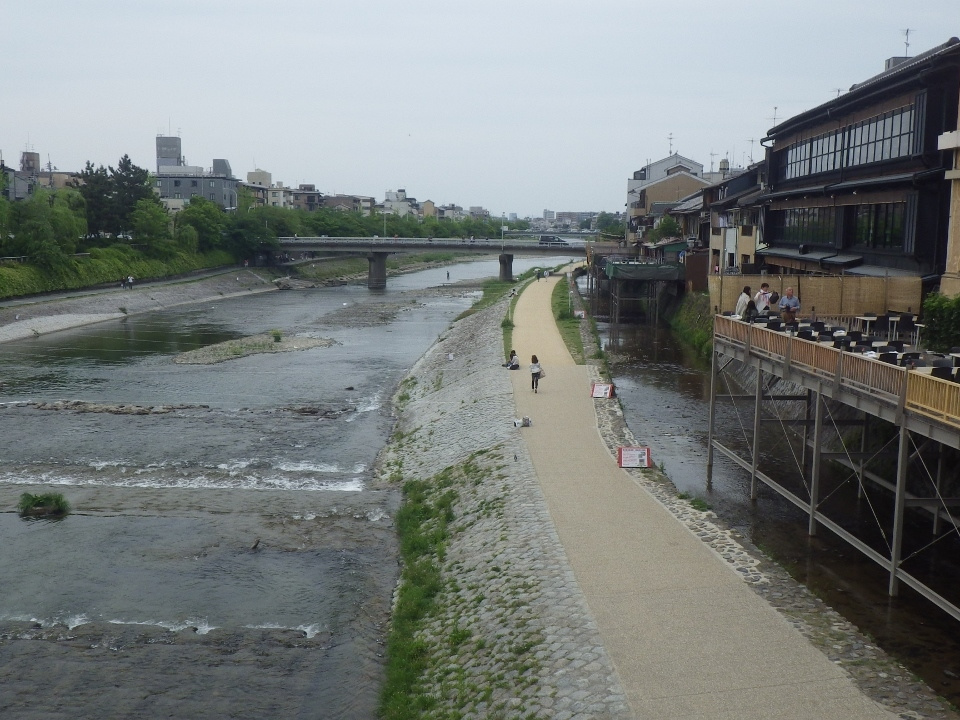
[882,137]
[879,226]
[803,226]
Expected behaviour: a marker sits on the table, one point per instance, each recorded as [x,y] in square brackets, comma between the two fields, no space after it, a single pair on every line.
[865,321]
[893,321]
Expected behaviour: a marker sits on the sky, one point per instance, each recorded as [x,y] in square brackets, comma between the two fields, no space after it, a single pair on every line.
[514,105]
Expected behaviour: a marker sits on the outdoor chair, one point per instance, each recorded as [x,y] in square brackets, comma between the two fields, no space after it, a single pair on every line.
[881,327]
[854,335]
[942,362]
[944,373]
[888,357]
[911,355]
[817,326]
[898,344]
[805,334]
[907,328]
[774,325]
[842,343]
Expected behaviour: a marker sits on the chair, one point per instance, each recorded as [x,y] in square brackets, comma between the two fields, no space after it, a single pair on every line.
[727,313]
[888,357]
[854,335]
[805,334]
[881,327]
[774,325]
[944,373]
[817,326]
[942,363]
[911,355]
[898,344]
[825,337]
[842,343]
[907,328]
[889,349]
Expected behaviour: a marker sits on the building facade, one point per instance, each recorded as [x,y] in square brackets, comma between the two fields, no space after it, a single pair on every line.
[859,185]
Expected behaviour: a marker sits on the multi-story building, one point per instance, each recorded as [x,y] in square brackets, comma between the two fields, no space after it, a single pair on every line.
[665,181]
[863,183]
[176,182]
[306,197]
[398,203]
[350,203]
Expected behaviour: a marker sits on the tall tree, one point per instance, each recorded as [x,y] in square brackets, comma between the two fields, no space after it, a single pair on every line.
[131,184]
[95,186]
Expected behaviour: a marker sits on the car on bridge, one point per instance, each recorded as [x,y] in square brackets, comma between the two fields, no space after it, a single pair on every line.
[553,241]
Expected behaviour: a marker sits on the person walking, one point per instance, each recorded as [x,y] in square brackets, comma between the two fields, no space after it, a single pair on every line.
[535,371]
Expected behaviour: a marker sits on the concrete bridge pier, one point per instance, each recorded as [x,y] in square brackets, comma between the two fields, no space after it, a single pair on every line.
[506,267]
[377,274]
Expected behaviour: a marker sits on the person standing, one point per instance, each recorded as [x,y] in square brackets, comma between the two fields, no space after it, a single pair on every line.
[789,306]
[762,299]
[534,373]
[742,301]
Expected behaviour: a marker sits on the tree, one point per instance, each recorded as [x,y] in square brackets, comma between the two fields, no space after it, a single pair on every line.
[95,187]
[68,218]
[207,218]
[150,223]
[667,227]
[34,231]
[130,185]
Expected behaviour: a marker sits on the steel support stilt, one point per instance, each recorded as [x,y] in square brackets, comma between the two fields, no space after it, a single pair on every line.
[758,404]
[815,465]
[713,416]
[900,493]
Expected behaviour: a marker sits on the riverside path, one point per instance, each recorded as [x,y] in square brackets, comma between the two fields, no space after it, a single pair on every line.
[687,635]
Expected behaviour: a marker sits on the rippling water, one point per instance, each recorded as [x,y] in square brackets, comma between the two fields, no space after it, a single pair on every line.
[228,554]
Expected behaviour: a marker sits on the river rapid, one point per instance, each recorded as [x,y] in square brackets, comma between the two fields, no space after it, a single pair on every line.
[229,553]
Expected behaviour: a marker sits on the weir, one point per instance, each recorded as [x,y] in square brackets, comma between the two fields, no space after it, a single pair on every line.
[922,417]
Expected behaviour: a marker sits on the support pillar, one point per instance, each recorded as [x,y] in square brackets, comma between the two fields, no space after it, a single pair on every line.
[815,465]
[950,281]
[377,272]
[506,267]
[900,493]
[756,434]
[713,416]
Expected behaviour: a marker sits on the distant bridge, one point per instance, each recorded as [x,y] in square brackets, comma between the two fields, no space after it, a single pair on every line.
[377,250]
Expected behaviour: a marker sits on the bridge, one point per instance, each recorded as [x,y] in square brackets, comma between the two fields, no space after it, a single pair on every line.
[377,250]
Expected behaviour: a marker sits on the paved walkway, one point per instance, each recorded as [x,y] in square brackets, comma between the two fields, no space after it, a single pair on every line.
[687,636]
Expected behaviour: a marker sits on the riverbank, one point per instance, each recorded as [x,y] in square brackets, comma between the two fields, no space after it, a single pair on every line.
[507,628]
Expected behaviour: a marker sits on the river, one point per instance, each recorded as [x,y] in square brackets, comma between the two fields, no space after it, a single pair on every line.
[229,553]
[665,393]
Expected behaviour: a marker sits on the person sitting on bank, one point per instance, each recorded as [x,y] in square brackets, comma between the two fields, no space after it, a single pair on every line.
[742,302]
[513,363]
[789,306]
[762,299]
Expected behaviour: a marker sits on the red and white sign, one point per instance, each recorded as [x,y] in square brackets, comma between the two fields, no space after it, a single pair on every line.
[601,390]
[634,457]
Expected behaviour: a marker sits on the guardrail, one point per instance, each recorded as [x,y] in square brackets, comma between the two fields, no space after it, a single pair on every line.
[923,394]
[388,243]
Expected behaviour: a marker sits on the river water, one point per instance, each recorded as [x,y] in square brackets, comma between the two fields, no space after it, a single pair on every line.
[665,393]
[229,553]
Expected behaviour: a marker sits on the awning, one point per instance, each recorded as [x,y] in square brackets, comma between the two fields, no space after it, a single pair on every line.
[871,182]
[809,190]
[731,200]
[880,271]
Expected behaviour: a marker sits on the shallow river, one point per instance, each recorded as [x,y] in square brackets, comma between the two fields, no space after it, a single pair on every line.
[240,513]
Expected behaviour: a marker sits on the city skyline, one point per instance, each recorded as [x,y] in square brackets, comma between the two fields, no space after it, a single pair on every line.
[516,108]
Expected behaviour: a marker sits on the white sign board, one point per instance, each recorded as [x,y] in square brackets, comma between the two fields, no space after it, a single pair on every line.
[634,457]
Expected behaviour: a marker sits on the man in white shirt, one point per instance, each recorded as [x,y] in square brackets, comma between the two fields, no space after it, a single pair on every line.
[762,299]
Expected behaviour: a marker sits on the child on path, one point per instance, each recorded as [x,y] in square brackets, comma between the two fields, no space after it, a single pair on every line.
[534,373]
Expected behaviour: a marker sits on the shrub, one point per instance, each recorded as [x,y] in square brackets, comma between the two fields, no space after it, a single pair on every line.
[46,504]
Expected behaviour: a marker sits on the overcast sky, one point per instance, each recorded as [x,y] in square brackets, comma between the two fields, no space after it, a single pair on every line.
[515,105]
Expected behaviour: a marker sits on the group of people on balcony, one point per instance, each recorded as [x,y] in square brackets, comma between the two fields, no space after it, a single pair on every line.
[749,307]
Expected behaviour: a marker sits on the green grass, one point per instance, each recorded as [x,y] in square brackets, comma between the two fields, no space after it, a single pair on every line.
[423,526]
[46,504]
[567,324]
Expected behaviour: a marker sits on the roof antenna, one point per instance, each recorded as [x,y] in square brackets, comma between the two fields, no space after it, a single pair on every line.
[906,42]
[670,138]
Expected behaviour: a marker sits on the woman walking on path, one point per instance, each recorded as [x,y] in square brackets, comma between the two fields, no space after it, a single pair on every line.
[534,373]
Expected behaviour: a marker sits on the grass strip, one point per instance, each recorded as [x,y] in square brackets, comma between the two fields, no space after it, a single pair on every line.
[423,527]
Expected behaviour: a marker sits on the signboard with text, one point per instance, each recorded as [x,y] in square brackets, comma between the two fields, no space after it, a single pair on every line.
[601,390]
[634,457]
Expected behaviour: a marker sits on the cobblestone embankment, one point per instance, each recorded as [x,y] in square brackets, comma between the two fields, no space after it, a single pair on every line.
[511,635]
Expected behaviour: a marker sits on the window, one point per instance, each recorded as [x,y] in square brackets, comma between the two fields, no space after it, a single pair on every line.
[194,183]
[880,226]
[176,183]
[883,137]
[211,183]
[802,226]
[212,196]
